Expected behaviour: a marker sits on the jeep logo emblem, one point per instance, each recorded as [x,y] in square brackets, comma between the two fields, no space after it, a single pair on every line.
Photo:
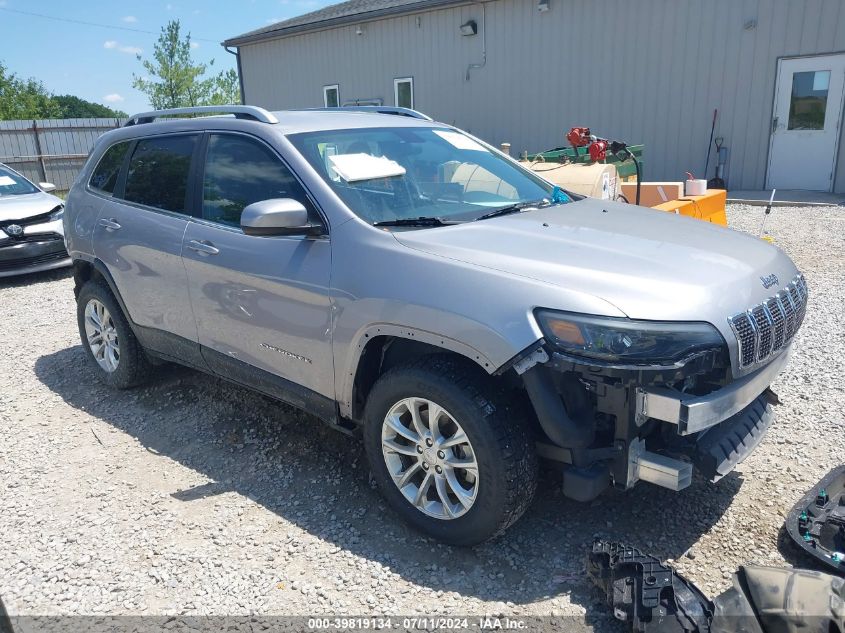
[769,281]
[14,230]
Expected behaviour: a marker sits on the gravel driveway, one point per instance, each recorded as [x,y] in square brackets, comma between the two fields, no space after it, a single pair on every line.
[191,496]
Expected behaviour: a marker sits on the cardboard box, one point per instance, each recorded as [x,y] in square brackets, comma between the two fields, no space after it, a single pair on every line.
[652,193]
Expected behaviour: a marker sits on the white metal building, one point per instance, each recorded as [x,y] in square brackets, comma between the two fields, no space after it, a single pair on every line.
[642,71]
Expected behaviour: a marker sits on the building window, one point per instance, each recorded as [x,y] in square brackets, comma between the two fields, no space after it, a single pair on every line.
[403,92]
[331,96]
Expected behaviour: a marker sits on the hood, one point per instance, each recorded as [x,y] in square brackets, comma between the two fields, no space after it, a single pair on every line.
[650,264]
[27,205]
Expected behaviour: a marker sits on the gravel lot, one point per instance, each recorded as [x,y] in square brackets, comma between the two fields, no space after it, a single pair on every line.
[191,496]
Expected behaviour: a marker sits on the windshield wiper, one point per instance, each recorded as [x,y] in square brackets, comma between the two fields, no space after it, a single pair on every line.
[421,221]
[514,208]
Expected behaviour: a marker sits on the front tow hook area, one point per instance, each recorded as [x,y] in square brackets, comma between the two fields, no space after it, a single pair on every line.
[660,470]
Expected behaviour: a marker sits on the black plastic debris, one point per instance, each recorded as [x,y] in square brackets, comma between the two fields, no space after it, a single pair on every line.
[817,522]
[654,598]
[645,592]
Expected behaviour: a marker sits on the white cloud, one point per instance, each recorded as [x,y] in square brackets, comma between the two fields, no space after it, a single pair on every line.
[130,19]
[129,50]
[195,44]
[113,98]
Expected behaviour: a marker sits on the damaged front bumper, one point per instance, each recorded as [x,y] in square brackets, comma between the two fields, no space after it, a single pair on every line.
[620,425]
[692,414]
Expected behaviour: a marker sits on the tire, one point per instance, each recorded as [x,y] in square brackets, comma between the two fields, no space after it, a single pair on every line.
[493,495]
[126,368]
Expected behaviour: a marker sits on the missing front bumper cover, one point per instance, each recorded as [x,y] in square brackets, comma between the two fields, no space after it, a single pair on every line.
[697,413]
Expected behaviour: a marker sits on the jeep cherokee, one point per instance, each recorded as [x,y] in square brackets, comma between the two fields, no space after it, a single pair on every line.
[406,282]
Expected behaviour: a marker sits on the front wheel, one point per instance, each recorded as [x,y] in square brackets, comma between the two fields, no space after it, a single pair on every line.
[447,451]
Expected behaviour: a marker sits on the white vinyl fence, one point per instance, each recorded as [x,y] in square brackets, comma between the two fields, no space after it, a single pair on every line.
[51,150]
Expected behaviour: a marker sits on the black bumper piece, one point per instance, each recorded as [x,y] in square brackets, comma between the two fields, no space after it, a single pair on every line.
[817,522]
[645,592]
[719,449]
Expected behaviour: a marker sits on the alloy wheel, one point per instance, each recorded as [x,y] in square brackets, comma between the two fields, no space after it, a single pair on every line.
[430,458]
[101,334]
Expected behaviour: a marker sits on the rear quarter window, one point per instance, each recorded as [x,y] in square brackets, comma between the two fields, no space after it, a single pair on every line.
[104,177]
[158,172]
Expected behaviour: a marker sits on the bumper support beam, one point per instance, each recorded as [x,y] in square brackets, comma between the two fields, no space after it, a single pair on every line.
[696,413]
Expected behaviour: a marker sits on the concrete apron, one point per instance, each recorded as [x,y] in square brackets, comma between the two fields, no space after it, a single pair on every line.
[787,198]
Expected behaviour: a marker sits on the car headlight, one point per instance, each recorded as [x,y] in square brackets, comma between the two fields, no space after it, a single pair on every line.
[57,213]
[619,340]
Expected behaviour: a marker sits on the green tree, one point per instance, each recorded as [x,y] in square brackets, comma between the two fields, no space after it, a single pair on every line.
[75,108]
[226,88]
[24,98]
[175,80]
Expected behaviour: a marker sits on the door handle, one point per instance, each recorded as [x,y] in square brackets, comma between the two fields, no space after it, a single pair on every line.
[203,248]
[110,224]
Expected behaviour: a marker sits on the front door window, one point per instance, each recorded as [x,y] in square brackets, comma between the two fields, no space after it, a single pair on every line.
[240,171]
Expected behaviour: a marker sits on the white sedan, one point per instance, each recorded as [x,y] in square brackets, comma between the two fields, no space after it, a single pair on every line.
[31,232]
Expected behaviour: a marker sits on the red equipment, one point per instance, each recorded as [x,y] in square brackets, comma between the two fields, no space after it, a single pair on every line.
[598,150]
[579,136]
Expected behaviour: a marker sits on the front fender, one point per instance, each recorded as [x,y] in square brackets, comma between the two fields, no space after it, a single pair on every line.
[479,343]
[481,313]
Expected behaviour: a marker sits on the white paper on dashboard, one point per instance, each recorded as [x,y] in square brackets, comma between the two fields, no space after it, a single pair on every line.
[456,139]
[5,181]
[356,167]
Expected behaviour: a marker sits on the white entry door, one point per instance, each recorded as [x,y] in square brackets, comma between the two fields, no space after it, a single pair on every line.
[805,127]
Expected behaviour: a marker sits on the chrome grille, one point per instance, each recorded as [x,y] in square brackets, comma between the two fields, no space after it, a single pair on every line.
[778,322]
[765,329]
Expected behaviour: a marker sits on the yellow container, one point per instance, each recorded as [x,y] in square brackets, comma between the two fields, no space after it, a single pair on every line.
[710,207]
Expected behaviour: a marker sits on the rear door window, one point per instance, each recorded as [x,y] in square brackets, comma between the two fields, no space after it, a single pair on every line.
[105,174]
[240,171]
[159,170]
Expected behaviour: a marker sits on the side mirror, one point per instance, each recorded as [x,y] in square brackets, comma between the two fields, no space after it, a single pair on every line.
[47,187]
[277,216]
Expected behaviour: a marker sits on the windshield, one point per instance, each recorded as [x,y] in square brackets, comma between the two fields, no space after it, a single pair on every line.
[389,174]
[12,184]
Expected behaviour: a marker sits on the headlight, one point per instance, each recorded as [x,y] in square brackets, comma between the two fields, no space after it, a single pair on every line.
[57,213]
[616,340]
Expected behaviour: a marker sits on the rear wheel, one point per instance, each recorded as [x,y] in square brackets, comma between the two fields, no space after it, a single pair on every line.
[107,338]
[447,451]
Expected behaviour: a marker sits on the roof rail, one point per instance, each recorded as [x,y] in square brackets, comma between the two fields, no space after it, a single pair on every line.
[253,113]
[414,114]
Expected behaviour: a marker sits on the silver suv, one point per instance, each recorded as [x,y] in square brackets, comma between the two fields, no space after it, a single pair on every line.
[404,281]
